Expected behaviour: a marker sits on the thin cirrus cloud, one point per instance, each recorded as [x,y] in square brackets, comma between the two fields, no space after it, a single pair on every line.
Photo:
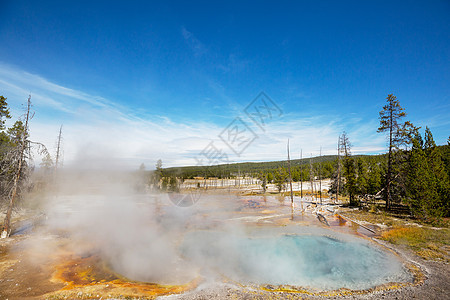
[194,44]
[98,132]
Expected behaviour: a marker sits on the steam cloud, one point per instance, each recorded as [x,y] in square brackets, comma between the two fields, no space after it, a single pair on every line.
[145,237]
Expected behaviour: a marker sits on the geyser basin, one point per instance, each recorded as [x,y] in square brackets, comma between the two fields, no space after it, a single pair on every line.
[314,260]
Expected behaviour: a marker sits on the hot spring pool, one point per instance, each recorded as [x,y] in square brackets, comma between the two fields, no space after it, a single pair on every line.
[313,259]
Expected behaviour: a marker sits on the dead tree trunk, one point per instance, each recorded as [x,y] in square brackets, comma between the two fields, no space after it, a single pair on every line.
[13,195]
[301,174]
[58,149]
[290,175]
[301,180]
[311,178]
[58,156]
[339,169]
[239,178]
[320,178]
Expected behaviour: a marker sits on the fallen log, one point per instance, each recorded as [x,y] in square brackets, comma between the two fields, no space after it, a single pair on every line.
[322,219]
[365,227]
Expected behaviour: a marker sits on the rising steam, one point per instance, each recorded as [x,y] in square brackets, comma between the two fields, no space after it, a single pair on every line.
[144,237]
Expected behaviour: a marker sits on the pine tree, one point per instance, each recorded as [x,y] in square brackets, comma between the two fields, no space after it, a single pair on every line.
[375,178]
[4,139]
[349,170]
[263,178]
[269,177]
[362,180]
[173,184]
[164,183]
[427,191]
[398,135]
[438,203]
[281,177]
[4,112]
[417,177]
[157,175]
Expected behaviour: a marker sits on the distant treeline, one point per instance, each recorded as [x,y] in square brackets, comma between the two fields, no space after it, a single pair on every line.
[414,172]
[368,173]
[300,168]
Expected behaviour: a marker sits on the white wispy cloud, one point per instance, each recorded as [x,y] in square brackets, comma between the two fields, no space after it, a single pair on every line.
[196,46]
[98,132]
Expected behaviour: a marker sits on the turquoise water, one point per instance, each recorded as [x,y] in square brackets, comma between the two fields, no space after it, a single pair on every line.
[315,261]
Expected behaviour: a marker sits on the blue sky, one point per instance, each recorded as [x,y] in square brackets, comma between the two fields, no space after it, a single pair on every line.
[137,81]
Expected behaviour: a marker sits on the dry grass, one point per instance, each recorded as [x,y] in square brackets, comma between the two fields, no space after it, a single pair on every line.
[429,243]
[374,217]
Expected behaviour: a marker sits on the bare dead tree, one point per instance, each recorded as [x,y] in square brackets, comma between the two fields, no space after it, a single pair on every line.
[23,148]
[339,168]
[17,161]
[239,178]
[301,174]
[311,177]
[301,180]
[320,178]
[58,149]
[290,175]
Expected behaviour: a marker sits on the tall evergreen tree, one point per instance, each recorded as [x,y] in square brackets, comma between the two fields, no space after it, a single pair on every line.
[349,170]
[280,178]
[428,184]
[4,112]
[438,204]
[262,176]
[4,140]
[398,133]
[157,175]
[362,179]
[269,177]
[375,178]
[417,177]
